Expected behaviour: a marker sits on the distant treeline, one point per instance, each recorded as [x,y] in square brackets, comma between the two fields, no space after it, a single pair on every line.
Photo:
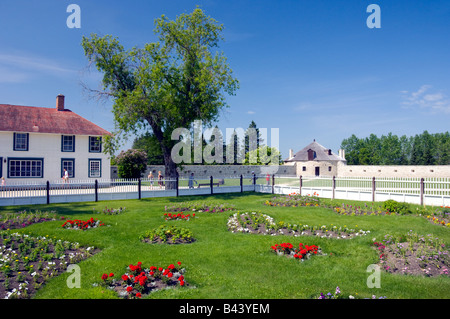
[421,149]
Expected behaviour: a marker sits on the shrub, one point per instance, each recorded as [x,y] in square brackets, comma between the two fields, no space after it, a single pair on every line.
[131,163]
[397,207]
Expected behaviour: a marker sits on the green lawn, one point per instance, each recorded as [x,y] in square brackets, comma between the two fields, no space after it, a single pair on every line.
[221,264]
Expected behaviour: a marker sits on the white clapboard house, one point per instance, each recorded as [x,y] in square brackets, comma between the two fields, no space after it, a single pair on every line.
[38,143]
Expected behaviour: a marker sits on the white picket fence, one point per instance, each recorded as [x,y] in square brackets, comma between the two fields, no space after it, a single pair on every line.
[422,191]
[428,191]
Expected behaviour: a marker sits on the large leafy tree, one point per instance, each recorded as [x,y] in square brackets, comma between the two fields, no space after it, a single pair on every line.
[166,84]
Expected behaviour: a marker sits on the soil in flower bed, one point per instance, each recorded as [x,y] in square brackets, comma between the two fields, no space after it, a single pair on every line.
[139,281]
[168,235]
[258,223]
[25,218]
[199,207]
[413,255]
[26,263]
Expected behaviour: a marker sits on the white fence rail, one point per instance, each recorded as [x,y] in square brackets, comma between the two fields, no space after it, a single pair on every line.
[422,191]
[429,191]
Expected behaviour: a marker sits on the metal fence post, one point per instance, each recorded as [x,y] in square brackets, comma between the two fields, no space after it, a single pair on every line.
[48,192]
[139,187]
[242,186]
[211,184]
[177,183]
[96,190]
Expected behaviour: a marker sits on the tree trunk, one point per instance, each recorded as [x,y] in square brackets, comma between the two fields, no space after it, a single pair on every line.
[170,166]
[171,171]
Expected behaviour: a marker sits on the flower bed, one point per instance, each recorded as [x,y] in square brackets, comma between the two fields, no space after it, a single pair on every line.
[179,216]
[258,223]
[414,255]
[208,207]
[26,262]
[439,220]
[139,281]
[168,235]
[440,216]
[112,211]
[338,295]
[355,210]
[303,252]
[81,224]
[25,218]
[294,200]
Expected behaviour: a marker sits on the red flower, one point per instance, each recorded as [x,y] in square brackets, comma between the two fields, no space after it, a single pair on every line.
[179,263]
[111,275]
[169,275]
[124,277]
[104,276]
[138,294]
[129,288]
[181,283]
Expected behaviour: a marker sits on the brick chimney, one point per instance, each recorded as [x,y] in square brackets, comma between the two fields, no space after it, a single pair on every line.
[60,102]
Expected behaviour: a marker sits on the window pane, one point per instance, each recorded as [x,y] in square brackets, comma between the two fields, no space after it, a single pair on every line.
[68,143]
[20,142]
[25,168]
[94,169]
[95,144]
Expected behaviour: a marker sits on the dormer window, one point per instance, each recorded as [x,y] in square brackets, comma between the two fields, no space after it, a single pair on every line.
[21,141]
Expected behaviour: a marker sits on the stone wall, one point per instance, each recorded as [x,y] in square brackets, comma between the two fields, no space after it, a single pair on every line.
[326,169]
[417,171]
[220,170]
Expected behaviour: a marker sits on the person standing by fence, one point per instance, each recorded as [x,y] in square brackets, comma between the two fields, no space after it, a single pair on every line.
[160,179]
[150,177]
[66,176]
[191,181]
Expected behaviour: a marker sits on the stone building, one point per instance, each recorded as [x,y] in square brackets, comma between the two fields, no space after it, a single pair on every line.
[315,160]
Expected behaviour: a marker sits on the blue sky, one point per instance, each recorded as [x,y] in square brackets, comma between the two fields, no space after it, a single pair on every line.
[313,69]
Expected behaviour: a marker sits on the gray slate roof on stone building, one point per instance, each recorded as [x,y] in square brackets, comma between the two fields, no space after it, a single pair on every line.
[322,154]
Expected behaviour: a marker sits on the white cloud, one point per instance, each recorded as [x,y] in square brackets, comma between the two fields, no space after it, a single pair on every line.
[250,112]
[424,99]
[19,67]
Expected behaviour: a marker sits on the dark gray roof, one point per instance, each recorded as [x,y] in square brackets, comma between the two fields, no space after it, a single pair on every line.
[322,154]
